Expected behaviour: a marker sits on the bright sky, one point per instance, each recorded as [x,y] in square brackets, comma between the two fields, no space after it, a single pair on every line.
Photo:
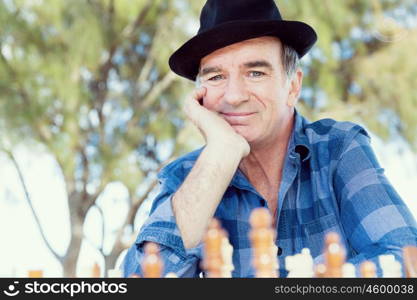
[23,249]
[22,245]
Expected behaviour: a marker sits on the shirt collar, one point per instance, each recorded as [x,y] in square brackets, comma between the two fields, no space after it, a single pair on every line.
[299,143]
[298,146]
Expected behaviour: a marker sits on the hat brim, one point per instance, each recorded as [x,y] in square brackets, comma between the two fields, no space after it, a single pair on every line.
[186,60]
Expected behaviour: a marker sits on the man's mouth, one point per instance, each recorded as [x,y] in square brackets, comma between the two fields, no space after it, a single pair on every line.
[237,118]
[236,114]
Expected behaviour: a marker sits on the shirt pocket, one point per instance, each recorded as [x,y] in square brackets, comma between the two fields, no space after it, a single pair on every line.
[316,230]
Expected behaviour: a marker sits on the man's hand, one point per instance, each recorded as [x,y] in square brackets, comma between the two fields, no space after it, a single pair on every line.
[214,128]
[195,202]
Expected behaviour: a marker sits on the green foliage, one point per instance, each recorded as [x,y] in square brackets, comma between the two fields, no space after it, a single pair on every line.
[362,67]
[90,79]
[91,74]
[75,76]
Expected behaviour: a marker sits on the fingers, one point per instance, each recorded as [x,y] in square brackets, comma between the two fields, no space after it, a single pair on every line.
[198,94]
[193,104]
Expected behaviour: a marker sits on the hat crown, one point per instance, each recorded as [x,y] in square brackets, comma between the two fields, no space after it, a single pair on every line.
[226,22]
[216,12]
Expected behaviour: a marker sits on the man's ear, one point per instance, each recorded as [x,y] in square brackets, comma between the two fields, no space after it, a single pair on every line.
[295,87]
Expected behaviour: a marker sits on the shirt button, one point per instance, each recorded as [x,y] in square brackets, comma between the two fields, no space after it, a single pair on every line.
[279,251]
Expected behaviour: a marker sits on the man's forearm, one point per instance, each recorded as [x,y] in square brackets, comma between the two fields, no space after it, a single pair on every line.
[196,200]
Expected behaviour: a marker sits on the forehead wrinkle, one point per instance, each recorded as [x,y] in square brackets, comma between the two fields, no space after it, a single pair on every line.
[258,63]
[208,70]
[250,64]
[235,49]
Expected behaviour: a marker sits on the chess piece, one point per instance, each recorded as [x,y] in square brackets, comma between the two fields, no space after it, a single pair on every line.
[213,259]
[114,273]
[320,271]
[300,265]
[334,255]
[35,273]
[390,267]
[368,269]
[410,261]
[262,237]
[95,271]
[152,264]
[227,257]
[171,275]
[348,270]
[274,254]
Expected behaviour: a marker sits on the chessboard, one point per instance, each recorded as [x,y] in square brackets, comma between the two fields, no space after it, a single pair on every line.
[217,259]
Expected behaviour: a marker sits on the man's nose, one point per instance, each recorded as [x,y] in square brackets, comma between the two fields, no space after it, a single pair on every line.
[235,92]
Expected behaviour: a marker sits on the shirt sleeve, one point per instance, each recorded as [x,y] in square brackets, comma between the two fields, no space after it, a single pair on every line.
[161,228]
[375,219]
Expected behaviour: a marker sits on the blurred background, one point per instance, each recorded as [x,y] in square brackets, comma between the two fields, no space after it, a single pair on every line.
[90,112]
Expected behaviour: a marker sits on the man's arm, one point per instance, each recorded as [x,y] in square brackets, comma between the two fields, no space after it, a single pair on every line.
[160,228]
[196,200]
[375,219]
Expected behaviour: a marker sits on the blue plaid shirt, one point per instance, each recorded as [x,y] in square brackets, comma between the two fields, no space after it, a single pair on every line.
[331,182]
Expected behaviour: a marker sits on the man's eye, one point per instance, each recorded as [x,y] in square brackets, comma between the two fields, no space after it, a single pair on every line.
[215,78]
[256,73]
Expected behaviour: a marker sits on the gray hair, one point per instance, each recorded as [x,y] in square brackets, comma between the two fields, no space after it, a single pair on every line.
[290,60]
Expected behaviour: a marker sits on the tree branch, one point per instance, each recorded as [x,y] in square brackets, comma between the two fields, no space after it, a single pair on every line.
[157,90]
[103,228]
[21,91]
[29,201]
[146,69]
[129,31]
[85,175]
[151,97]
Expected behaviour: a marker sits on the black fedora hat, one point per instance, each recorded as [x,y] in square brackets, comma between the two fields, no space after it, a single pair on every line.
[225,22]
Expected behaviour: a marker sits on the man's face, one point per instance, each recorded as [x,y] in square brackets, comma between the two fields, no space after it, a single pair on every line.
[247,85]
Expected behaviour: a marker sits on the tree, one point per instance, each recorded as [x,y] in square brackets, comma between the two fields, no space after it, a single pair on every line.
[89,81]
[361,67]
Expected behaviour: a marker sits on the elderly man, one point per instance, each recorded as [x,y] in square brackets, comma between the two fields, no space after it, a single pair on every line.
[314,178]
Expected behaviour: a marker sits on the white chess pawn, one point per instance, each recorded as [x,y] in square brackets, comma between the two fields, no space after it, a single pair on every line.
[389,266]
[348,270]
[308,263]
[114,273]
[300,265]
[227,255]
[289,265]
[274,256]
